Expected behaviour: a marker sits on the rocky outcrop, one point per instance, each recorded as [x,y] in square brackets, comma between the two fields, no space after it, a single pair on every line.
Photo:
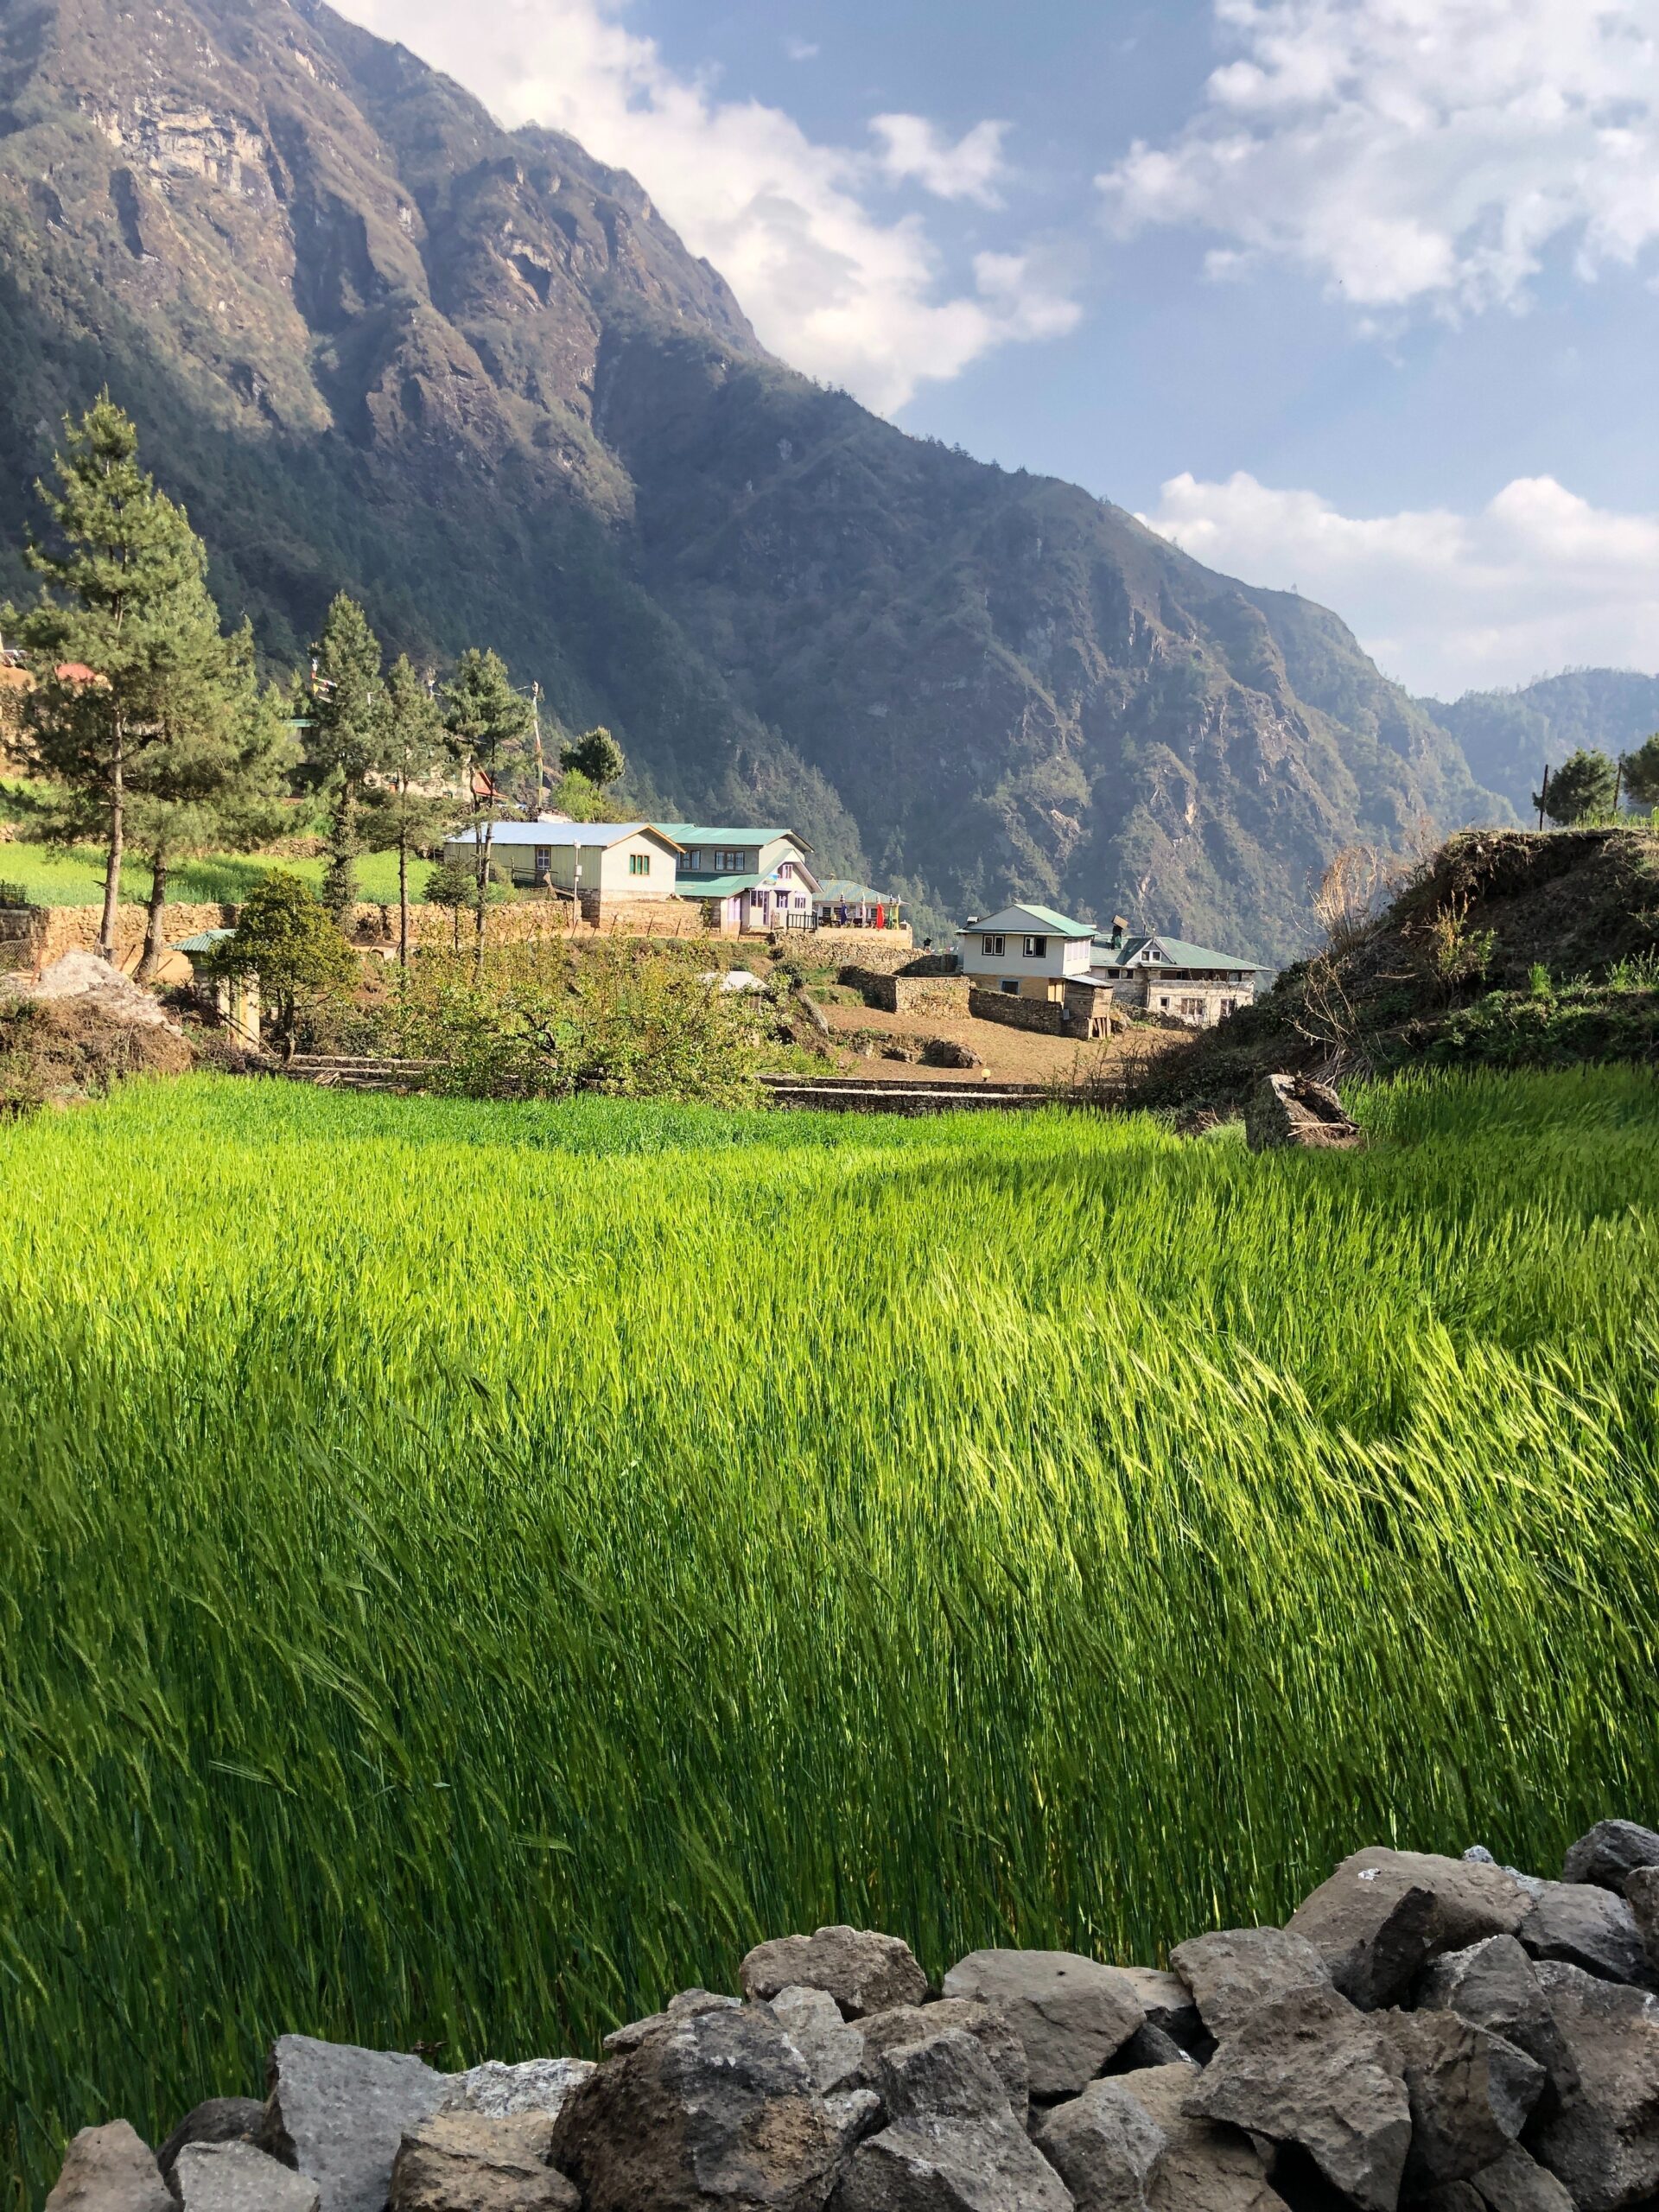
[1405,2045]
[1293,1111]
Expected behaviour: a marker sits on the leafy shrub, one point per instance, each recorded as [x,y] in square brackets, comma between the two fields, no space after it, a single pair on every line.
[13,895]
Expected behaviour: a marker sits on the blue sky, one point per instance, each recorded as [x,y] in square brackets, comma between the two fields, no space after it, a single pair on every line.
[1356,296]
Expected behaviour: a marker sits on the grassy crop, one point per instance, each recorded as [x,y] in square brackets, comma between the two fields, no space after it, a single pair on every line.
[467,1570]
[53,875]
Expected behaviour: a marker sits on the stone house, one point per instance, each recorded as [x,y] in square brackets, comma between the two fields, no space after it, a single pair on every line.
[1164,975]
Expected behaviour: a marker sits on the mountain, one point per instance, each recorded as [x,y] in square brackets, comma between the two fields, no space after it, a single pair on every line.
[377,343]
[1509,737]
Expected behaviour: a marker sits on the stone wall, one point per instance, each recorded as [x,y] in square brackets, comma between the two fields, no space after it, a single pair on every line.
[74,929]
[1047,1015]
[882,951]
[1089,1009]
[17,939]
[907,993]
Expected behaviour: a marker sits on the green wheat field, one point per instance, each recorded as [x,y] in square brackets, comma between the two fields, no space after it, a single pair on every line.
[468,1571]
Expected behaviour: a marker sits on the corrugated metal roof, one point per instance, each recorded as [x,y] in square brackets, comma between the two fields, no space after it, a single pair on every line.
[563,833]
[1048,923]
[699,833]
[1157,951]
[714,886]
[203,941]
[843,888]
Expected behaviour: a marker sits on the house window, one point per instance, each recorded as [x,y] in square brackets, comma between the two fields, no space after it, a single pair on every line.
[1229,1006]
[639,863]
[1009,986]
[1163,1006]
[800,900]
[543,858]
[730,863]
[1036,948]
[995,947]
[1193,1009]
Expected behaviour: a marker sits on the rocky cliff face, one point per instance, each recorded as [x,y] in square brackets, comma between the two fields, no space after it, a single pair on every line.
[375,342]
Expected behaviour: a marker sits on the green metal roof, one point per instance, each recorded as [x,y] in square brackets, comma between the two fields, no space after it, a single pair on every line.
[836,888]
[203,941]
[714,886]
[1172,952]
[1046,919]
[698,833]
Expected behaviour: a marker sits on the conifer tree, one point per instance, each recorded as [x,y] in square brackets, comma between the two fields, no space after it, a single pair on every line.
[486,719]
[115,641]
[349,738]
[216,785]
[1581,789]
[409,812]
[595,755]
[1642,772]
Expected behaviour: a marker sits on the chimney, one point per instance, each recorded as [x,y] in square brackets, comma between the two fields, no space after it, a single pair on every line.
[1120,931]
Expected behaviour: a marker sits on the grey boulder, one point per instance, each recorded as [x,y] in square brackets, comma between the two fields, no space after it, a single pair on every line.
[1642,1895]
[1588,1927]
[221,2119]
[833,2049]
[685,2006]
[1205,2166]
[1602,2140]
[502,2092]
[1149,2046]
[476,2162]
[863,1971]
[953,2145]
[1383,1915]
[1167,2001]
[1611,1853]
[911,2023]
[1516,2182]
[338,2114]
[716,2109]
[1234,1970]
[1471,2094]
[110,2169]
[1494,1984]
[1105,2146]
[1310,2070]
[1071,2013]
[236,2178]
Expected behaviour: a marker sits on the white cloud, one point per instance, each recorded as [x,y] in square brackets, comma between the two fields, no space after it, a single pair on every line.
[971,169]
[834,287]
[1415,151]
[802,50]
[1537,580]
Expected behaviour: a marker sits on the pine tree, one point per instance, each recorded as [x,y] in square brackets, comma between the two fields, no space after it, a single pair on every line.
[410,811]
[486,720]
[595,755]
[217,782]
[349,738]
[285,937]
[115,641]
[1642,772]
[1581,789]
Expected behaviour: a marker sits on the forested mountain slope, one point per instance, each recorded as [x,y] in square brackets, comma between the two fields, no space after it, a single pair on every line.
[1509,737]
[376,341]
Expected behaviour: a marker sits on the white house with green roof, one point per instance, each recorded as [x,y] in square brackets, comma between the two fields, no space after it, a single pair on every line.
[1026,952]
[1154,973]
[746,880]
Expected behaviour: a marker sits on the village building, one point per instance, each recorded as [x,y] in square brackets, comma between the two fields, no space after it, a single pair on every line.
[599,864]
[1164,975]
[1038,970]
[843,904]
[747,881]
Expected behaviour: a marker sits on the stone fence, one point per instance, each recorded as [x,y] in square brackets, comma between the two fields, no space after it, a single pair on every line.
[1426,2032]
[882,951]
[1047,1015]
[907,993]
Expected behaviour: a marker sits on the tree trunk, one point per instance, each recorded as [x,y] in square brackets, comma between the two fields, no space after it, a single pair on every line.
[155,943]
[117,839]
[482,897]
[403,902]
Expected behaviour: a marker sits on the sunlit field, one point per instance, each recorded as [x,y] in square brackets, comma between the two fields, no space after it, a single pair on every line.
[467,1571]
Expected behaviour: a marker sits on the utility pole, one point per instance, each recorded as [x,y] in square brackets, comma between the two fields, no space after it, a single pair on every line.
[1543,795]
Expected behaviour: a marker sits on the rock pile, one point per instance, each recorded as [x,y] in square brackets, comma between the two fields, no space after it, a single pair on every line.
[1425,2031]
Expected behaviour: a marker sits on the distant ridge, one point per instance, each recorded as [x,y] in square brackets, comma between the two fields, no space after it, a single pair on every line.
[1508,737]
[376,341]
